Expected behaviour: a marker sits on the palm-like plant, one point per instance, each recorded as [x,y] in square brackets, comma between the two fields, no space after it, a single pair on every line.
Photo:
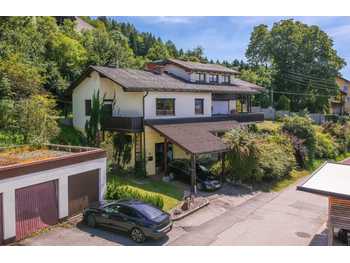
[93,125]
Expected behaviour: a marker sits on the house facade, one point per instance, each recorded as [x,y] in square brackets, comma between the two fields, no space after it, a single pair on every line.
[172,109]
[341,103]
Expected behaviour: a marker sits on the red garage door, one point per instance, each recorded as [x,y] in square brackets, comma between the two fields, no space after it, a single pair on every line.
[36,208]
[1,220]
[83,189]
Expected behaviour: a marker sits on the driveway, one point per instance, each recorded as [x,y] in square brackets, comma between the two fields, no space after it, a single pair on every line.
[234,217]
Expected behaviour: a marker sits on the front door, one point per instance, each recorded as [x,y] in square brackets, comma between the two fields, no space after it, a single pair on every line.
[159,150]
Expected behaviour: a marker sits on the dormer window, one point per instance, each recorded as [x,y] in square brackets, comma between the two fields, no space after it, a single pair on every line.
[227,79]
[213,78]
[201,77]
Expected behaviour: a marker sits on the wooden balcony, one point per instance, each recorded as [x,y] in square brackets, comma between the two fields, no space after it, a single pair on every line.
[122,124]
[247,117]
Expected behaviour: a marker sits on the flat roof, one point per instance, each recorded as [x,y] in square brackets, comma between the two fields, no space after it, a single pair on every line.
[331,179]
[196,138]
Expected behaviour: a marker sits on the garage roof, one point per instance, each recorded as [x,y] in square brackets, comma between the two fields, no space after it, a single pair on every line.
[196,138]
[331,179]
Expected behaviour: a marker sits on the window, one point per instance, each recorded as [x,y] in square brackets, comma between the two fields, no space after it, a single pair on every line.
[87,107]
[128,211]
[227,78]
[213,78]
[165,107]
[108,108]
[199,106]
[201,77]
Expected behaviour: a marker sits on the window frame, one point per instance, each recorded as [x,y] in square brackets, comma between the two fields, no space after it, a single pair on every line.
[199,77]
[227,79]
[213,78]
[164,112]
[88,108]
[201,100]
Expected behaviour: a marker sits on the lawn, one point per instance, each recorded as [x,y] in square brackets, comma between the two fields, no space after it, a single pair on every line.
[171,192]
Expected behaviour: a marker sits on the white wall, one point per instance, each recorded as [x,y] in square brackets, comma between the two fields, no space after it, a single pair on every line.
[184,104]
[9,185]
[128,103]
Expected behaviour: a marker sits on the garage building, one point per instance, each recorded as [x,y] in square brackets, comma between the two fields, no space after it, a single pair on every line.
[40,193]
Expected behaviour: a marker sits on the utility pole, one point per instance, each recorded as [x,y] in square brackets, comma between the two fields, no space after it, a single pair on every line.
[271,97]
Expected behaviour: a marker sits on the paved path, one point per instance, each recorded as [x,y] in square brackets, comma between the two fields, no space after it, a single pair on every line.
[287,218]
[233,217]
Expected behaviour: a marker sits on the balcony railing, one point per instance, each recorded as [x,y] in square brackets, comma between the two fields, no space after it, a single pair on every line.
[122,123]
[239,117]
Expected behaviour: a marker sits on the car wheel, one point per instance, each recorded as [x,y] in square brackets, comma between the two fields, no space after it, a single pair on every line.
[91,221]
[342,236]
[137,235]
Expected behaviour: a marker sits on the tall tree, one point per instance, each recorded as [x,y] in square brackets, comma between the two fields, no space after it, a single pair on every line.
[304,60]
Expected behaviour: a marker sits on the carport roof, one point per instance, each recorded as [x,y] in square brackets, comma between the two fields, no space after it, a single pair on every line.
[196,138]
[331,179]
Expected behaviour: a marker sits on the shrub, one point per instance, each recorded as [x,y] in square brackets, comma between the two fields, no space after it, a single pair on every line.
[125,192]
[326,148]
[36,119]
[69,136]
[301,128]
[243,155]
[283,103]
[276,158]
[340,132]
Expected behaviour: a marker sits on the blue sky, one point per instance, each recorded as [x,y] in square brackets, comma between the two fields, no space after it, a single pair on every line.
[228,37]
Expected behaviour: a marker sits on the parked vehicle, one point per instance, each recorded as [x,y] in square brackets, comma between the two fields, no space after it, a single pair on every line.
[344,236]
[139,219]
[180,169]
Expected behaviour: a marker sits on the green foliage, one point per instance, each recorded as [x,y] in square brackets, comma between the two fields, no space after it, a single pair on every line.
[258,157]
[303,58]
[69,136]
[115,192]
[93,124]
[8,138]
[36,119]
[243,155]
[276,157]
[158,51]
[326,148]
[283,103]
[303,130]
[341,134]
[122,145]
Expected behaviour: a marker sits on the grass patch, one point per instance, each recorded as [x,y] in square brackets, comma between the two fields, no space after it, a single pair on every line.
[171,192]
[270,126]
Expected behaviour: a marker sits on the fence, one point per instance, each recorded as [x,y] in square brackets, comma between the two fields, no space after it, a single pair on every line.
[272,114]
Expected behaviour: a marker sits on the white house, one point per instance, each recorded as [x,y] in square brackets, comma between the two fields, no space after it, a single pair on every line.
[173,108]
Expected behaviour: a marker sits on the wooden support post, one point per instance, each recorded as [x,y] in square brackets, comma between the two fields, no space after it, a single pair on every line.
[222,156]
[165,157]
[193,175]
[330,234]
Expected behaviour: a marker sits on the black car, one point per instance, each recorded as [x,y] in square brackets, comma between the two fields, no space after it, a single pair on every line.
[139,219]
[180,169]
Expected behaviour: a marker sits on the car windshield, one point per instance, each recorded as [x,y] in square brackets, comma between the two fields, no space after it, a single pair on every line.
[148,211]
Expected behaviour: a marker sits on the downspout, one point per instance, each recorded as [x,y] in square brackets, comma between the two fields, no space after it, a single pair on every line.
[144,133]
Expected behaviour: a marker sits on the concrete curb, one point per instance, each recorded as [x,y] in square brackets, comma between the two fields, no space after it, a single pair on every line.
[191,211]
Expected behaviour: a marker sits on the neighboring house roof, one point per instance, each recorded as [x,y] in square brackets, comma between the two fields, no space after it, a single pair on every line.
[196,138]
[81,25]
[133,80]
[331,179]
[195,66]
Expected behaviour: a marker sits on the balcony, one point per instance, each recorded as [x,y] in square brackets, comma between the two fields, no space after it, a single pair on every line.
[122,124]
[239,117]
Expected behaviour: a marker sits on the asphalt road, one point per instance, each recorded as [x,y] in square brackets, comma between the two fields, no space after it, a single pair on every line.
[233,217]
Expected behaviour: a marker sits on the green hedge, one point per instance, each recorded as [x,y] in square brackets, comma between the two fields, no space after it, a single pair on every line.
[124,192]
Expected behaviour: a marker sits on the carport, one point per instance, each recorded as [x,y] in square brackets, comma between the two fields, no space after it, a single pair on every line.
[195,138]
[332,180]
